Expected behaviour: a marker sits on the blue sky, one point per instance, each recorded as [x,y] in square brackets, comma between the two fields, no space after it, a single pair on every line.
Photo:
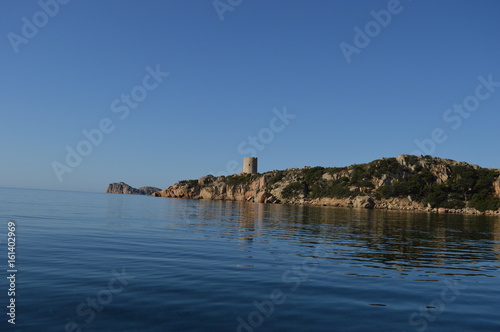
[228,79]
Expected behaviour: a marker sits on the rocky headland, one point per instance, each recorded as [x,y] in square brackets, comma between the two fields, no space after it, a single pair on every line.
[403,183]
[123,188]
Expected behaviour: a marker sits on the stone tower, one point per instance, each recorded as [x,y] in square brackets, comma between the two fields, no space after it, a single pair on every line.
[250,165]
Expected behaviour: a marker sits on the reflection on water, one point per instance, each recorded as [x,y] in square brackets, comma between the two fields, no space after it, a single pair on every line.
[392,238]
[400,241]
[357,269]
[202,265]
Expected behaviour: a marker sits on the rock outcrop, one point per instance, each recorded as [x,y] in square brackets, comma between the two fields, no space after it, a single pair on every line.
[403,183]
[123,188]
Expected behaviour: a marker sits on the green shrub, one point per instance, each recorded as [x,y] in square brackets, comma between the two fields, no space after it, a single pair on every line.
[360,176]
[386,191]
[418,185]
[385,166]
[334,189]
[294,189]
[335,170]
[237,179]
[313,174]
[453,204]
[189,183]
[277,177]
[483,202]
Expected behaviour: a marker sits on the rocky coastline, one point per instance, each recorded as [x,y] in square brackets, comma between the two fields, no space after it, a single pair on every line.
[123,188]
[408,183]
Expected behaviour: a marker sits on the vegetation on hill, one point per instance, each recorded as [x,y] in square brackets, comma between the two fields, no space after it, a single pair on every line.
[466,186]
[430,182]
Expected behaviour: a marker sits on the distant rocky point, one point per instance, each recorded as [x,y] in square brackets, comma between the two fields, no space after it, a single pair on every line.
[419,183]
[123,188]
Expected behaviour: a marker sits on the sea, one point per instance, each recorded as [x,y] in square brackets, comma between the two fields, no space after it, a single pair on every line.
[77,261]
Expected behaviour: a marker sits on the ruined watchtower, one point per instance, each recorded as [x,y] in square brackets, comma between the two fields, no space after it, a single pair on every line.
[250,165]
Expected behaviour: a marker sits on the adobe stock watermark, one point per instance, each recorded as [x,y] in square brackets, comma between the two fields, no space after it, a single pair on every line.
[122,107]
[456,114]
[222,6]
[30,27]
[87,309]
[266,307]
[252,144]
[363,37]
[428,314]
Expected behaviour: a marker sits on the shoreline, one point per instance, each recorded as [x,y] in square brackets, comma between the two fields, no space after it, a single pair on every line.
[406,182]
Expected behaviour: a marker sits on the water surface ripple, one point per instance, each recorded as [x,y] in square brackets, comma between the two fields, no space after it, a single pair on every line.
[187,265]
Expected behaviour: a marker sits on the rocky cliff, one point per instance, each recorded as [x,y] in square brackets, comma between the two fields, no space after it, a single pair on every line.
[123,188]
[405,183]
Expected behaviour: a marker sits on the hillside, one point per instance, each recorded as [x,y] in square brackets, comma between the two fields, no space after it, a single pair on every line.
[123,188]
[405,183]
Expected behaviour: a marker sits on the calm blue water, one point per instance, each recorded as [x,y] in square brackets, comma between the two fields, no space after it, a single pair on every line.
[107,262]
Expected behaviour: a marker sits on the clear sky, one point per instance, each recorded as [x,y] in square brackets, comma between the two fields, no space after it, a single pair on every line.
[301,83]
